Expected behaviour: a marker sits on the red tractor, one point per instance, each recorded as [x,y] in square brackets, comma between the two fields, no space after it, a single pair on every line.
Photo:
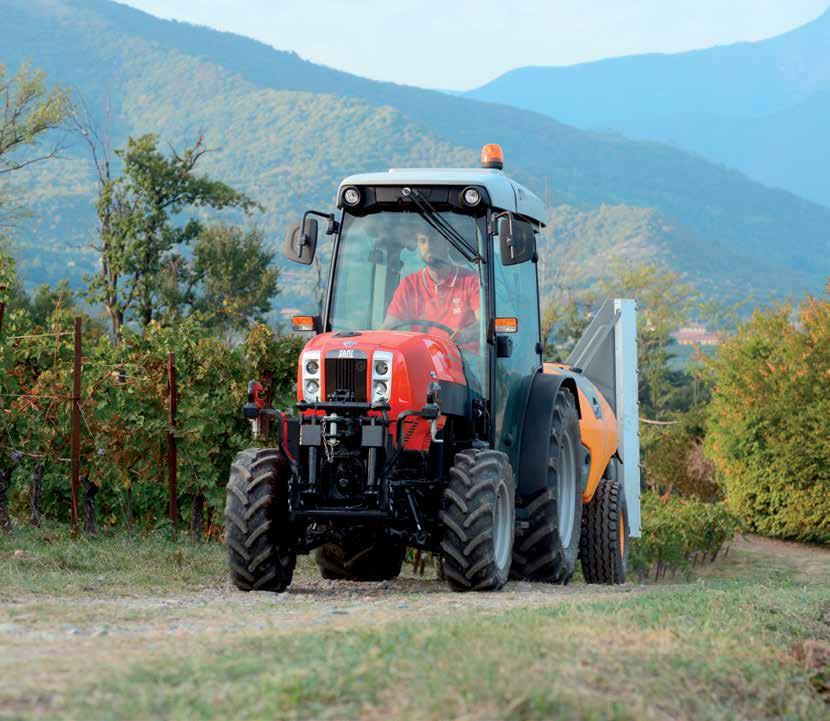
[426,416]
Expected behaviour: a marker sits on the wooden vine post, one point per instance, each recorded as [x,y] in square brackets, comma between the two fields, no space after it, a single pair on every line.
[75,457]
[172,453]
[265,420]
[3,289]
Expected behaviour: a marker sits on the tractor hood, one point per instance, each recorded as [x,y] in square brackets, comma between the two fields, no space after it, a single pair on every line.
[377,365]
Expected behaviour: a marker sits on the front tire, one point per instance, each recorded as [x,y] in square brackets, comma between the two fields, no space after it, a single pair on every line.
[261,553]
[478,519]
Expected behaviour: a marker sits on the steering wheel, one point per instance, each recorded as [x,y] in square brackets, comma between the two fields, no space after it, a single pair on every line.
[429,323]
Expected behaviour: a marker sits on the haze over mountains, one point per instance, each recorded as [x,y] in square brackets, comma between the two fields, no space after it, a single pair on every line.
[762,107]
[287,130]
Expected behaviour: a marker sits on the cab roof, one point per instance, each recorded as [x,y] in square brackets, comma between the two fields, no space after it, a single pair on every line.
[505,194]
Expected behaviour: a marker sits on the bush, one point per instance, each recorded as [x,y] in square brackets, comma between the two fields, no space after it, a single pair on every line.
[673,459]
[768,427]
[678,533]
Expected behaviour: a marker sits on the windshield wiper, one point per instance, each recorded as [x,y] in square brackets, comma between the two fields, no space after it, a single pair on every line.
[439,224]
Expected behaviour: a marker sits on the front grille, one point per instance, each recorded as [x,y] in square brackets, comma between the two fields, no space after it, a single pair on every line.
[346,379]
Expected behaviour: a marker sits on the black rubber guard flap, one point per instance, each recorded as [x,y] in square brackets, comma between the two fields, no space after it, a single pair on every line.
[533,453]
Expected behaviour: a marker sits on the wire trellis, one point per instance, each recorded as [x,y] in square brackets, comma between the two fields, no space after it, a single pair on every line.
[36,335]
[94,378]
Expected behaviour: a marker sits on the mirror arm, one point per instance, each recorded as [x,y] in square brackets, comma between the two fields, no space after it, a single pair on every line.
[331,229]
[506,214]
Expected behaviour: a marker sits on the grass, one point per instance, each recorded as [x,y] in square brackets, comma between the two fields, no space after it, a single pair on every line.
[717,648]
[710,651]
[50,561]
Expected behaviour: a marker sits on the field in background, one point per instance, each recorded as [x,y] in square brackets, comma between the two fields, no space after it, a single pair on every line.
[125,628]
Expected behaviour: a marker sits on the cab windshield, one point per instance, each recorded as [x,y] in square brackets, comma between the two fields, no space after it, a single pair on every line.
[394,271]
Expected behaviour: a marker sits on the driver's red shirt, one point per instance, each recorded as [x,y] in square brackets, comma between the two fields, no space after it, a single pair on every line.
[452,302]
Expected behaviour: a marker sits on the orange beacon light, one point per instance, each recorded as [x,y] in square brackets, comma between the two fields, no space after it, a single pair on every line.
[492,156]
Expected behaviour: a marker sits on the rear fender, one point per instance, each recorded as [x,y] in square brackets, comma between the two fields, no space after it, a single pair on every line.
[533,453]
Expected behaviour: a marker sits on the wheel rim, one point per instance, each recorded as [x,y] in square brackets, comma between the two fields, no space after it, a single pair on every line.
[566,486]
[502,526]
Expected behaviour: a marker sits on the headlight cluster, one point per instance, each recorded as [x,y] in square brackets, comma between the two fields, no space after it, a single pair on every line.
[381,376]
[311,376]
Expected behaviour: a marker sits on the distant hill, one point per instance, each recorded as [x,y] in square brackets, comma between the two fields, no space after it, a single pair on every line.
[286,130]
[760,107]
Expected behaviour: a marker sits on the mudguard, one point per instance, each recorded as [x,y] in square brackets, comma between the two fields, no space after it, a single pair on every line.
[533,452]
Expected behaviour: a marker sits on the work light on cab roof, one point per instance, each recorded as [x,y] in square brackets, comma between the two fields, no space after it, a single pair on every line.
[425,415]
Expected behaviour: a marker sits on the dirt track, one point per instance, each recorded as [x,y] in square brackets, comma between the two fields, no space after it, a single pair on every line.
[311,601]
[47,642]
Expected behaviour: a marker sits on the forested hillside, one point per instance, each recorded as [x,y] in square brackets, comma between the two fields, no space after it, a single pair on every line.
[760,107]
[284,131]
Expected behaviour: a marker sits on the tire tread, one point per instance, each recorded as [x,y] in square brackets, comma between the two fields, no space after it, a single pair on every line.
[259,545]
[468,549]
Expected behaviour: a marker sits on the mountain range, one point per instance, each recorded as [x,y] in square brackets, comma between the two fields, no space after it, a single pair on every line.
[285,130]
[760,107]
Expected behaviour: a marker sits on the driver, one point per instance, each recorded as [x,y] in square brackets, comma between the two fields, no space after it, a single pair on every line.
[441,292]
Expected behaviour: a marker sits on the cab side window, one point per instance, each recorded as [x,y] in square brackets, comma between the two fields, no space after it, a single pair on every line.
[516,297]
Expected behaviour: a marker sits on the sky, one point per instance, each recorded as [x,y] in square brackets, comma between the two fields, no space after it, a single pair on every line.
[462,44]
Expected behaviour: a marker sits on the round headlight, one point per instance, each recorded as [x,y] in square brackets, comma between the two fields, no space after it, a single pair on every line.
[472,196]
[312,367]
[381,367]
[351,196]
[311,387]
[381,389]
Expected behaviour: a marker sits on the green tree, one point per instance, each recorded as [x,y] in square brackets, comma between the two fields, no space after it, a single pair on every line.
[767,429]
[139,229]
[565,320]
[30,110]
[230,279]
[664,303]
[12,293]
[47,299]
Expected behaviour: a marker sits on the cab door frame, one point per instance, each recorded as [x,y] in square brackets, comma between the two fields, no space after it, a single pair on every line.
[511,444]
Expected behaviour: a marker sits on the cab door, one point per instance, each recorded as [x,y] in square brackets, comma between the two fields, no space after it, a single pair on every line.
[515,291]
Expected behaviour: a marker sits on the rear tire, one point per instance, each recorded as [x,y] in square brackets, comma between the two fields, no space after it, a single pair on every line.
[364,559]
[547,550]
[478,518]
[261,555]
[604,551]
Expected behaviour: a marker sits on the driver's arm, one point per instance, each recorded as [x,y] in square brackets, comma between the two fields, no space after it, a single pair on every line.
[400,307]
[469,332]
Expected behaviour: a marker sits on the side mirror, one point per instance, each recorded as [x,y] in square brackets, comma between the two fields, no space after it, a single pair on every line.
[517,241]
[301,242]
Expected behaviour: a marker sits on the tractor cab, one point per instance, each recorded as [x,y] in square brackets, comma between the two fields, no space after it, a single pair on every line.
[425,416]
[442,257]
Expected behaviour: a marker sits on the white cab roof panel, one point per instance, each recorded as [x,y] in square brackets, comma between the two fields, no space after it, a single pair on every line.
[505,193]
